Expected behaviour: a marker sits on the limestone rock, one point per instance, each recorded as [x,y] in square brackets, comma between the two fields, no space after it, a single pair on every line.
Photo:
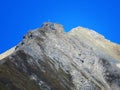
[50,59]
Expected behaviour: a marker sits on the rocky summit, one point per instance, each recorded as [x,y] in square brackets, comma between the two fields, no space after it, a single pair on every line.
[50,59]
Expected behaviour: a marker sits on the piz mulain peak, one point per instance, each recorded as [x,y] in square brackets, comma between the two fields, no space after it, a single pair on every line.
[50,59]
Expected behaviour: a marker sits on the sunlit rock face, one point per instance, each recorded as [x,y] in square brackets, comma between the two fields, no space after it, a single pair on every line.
[50,59]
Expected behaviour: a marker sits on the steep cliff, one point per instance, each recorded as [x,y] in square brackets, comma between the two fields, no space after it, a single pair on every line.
[50,59]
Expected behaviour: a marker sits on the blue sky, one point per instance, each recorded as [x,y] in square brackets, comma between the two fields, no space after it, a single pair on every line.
[17,17]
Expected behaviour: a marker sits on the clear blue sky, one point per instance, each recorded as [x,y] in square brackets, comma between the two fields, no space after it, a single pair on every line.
[19,16]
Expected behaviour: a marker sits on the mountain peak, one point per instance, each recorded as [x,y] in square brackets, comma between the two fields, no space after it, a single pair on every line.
[52,27]
[49,59]
[87,32]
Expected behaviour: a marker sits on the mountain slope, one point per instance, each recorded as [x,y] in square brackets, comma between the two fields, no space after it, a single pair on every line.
[50,59]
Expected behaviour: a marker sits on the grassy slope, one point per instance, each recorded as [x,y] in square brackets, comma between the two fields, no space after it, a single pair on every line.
[13,79]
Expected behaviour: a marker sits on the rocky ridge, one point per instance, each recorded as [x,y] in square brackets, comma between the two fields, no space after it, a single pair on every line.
[50,59]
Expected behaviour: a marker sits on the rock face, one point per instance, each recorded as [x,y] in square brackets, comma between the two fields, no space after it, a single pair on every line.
[50,59]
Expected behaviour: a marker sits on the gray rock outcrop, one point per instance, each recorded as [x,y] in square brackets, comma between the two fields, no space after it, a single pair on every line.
[50,59]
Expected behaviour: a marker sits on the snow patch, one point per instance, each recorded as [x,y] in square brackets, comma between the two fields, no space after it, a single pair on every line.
[118,65]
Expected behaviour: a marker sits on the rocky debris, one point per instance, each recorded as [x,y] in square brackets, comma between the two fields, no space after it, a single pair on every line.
[50,59]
